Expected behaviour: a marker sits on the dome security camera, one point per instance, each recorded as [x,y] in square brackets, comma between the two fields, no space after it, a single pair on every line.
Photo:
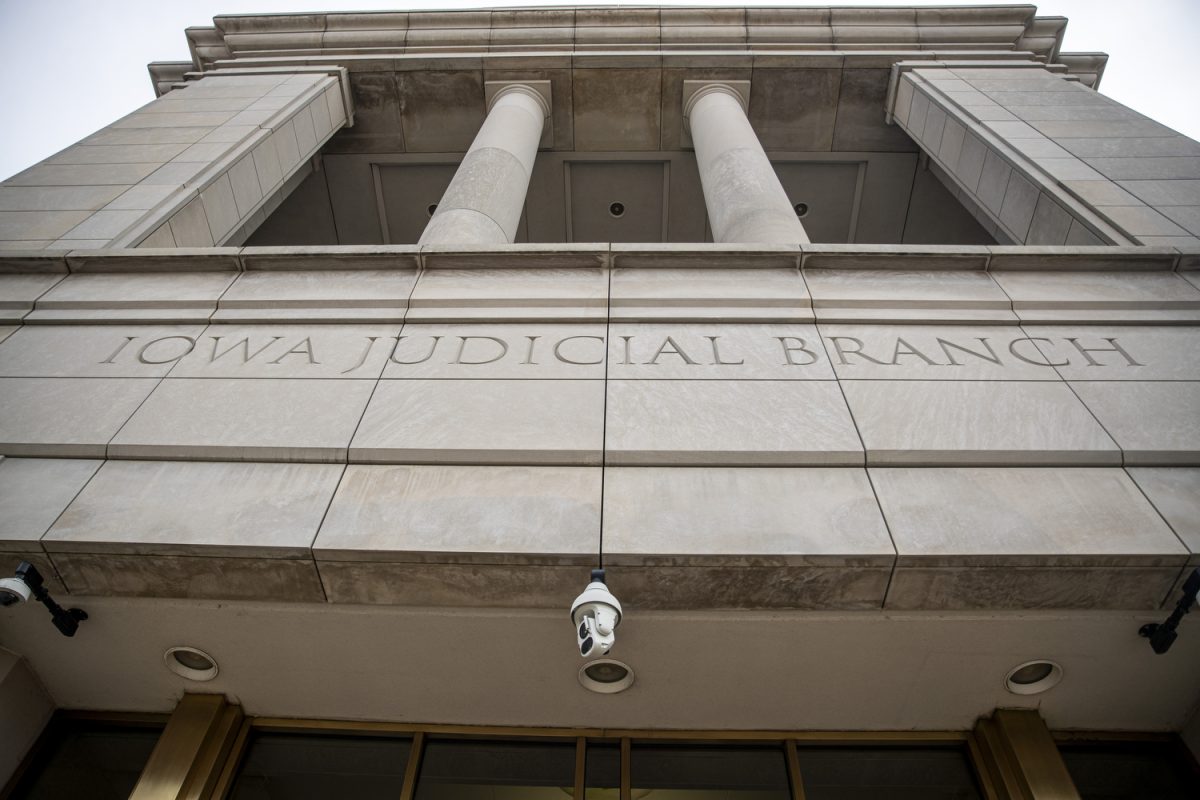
[29,583]
[13,591]
[596,614]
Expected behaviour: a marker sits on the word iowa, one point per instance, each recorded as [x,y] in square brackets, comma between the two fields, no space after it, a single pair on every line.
[682,349]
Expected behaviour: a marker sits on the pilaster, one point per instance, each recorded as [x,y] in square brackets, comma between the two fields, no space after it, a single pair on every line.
[200,166]
[1041,159]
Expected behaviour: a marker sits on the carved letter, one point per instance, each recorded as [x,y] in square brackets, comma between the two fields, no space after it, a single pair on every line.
[303,348]
[363,360]
[120,347]
[625,350]
[245,343]
[1045,362]
[529,352]
[842,352]
[1116,348]
[717,353]
[462,345]
[141,356]
[675,350]
[433,343]
[991,354]
[558,352]
[909,350]
[799,346]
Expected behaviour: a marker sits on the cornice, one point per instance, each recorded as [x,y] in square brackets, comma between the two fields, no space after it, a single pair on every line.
[583,29]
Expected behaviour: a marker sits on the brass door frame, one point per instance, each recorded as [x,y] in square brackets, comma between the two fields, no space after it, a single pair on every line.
[204,740]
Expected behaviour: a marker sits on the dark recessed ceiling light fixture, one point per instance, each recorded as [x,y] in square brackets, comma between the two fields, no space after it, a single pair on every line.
[606,676]
[1033,677]
[801,210]
[432,207]
[616,210]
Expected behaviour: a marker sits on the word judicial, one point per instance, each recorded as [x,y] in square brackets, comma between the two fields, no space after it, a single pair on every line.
[680,349]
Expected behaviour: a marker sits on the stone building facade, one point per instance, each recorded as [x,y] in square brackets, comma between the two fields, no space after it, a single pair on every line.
[858,346]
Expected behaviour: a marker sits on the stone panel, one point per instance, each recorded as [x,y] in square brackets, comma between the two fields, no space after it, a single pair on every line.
[742,517]
[133,297]
[505,586]
[1175,493]
[904,296]
[1153,422]
[320,295]
[736,352]
[1050,296]
[67,417]
[616,109]
[441,111]
[245,420]
[33,492]
[514,351]
[545,295]
[289,351]
[243,510]
[483,422]
[95,351]
[794,109]
[18,293]
[484,515]
[1120,352]
[192,577]
[718,587]
[935,352]
[700,294]
[976,423]
[729,423]
[971,516]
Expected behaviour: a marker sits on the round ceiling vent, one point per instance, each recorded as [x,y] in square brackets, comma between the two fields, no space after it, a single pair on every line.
[1033,677]
[606,676]
[191,663]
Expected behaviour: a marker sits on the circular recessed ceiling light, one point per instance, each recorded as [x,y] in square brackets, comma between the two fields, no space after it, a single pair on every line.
[801,210]
[431,208]
[606,676]
[1033,677]
[190,663]
[616,210]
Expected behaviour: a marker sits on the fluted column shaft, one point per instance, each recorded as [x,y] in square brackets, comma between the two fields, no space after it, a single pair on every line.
[483,203]
[745,201]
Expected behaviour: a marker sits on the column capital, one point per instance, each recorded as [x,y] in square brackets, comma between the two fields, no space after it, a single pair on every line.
[539,91]
[694,90]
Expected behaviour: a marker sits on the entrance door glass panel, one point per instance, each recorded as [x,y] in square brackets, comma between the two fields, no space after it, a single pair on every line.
[496,770]
[897,773]
[687,772]
[286,766]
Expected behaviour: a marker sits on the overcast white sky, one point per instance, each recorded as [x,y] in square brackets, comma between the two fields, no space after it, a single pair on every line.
[71,67]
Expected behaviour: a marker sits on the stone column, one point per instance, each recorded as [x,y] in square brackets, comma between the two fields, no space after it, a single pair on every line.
[746,202]
[483,203]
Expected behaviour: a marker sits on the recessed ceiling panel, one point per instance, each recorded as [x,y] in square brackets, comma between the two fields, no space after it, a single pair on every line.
[406,193]
[828,191]
[616,201]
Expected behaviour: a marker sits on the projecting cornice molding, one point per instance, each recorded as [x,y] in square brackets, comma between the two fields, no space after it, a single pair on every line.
[630,30]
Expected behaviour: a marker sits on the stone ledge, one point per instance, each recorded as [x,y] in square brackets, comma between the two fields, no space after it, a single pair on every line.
[469,536]
[630,256]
